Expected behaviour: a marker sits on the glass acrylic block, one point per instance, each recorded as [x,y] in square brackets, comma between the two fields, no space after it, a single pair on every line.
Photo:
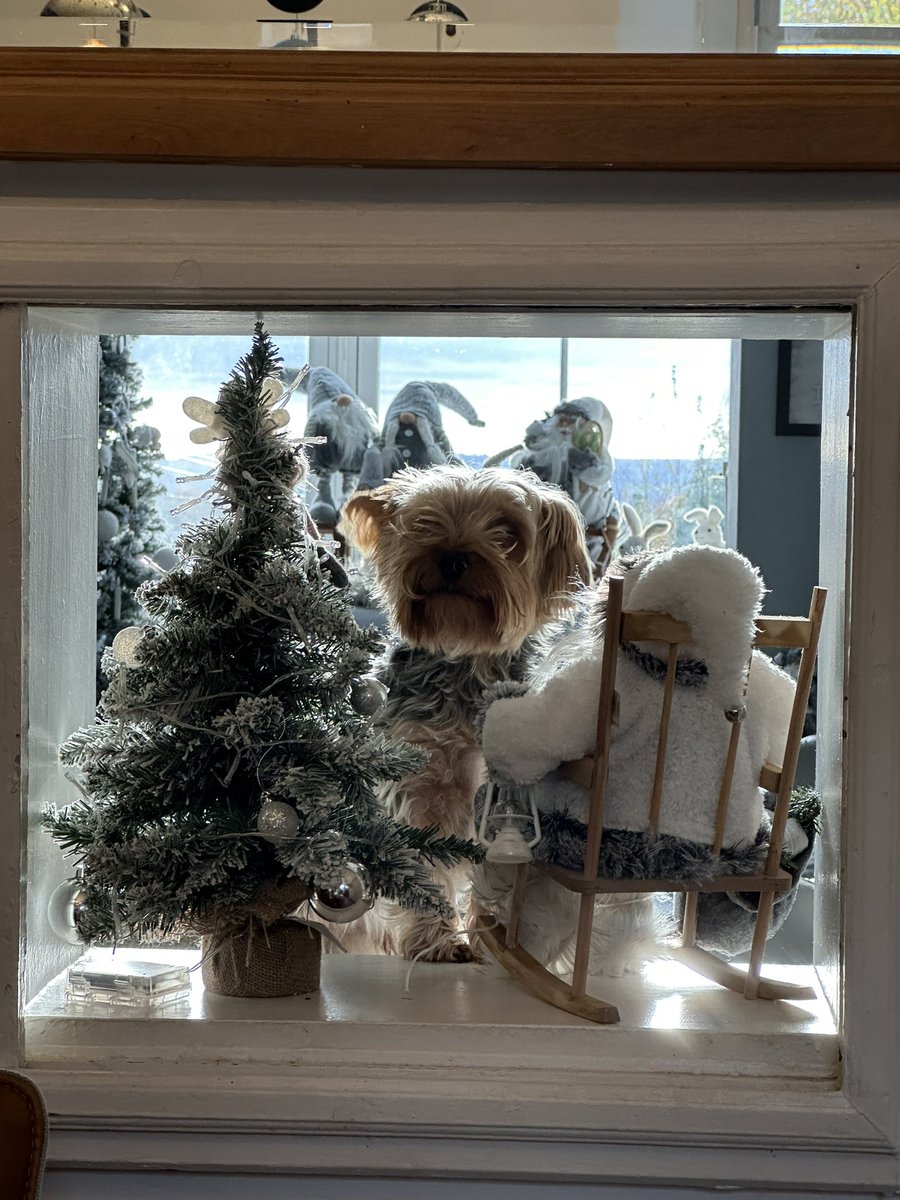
[127,984]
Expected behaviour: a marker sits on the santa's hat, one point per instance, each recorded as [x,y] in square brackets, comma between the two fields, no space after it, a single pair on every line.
[718,593]
[423,398]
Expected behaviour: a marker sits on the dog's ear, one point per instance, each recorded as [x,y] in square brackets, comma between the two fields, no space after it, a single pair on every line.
[364,516]
[564,549]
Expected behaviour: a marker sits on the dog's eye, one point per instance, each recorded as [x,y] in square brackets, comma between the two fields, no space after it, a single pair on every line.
[504,535]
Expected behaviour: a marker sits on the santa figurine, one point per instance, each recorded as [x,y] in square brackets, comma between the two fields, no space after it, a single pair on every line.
[570,447]
[413,433]
[349,426]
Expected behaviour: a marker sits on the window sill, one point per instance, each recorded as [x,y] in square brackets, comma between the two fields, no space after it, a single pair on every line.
[358,1078]
[458,1025]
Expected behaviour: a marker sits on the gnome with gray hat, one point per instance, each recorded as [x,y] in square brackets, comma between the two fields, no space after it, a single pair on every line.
[413,433]
[349,427]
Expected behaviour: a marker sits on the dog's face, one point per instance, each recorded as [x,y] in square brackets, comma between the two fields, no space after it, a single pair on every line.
[469,562]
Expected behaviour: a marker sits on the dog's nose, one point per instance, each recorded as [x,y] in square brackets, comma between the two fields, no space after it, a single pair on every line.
[453,565]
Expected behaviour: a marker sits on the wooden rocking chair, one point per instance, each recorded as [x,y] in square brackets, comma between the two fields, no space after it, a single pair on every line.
[592,772]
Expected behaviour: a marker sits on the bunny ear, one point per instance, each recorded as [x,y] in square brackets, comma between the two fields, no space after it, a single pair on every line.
[656,529]
[695,514]
[716,516]
[634,521]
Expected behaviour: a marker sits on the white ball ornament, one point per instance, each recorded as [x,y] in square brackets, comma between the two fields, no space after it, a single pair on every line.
[65,909]
[351,899]
[107,525]
[126,646]
[277,820]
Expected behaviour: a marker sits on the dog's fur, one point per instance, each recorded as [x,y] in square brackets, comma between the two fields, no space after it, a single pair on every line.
[468,565]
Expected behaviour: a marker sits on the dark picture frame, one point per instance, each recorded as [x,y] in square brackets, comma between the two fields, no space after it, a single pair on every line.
[798,400]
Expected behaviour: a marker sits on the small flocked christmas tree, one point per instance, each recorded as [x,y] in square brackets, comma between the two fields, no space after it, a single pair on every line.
[233,771]
[128,525]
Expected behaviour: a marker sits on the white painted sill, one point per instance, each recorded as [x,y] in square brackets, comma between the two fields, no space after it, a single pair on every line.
[465,1021]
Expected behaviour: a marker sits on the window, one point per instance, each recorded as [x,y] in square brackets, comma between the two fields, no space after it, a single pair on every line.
[830,26]
[584,1099]
[670,400]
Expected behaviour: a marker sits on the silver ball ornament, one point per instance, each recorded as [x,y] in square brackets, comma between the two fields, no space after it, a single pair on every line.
[166,558]
[349,900]
[107,525]
[367,695]
[65,910]
[277,820]
[126,646]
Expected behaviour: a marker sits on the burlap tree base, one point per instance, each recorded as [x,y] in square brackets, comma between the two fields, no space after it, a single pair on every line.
[282,959]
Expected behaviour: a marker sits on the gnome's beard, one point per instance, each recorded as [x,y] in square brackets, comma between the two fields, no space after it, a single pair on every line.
[551,458]
[349,430]
[392,447]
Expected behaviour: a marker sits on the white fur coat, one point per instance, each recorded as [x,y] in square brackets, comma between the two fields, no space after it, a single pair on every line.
[719,594]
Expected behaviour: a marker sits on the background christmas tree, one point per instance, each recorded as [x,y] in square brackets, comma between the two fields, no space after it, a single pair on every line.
[128,525]
[230,773]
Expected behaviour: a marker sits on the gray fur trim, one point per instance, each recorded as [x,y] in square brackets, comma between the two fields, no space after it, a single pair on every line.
[689,672]
[626,854]
[498,691]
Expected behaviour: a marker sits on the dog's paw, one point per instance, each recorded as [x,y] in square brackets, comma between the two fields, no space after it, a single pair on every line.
[457,951]
[453,948]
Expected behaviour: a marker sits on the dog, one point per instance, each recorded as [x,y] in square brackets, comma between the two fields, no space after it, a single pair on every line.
[468,565]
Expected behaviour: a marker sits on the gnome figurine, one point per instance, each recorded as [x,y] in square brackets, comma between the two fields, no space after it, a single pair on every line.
[570,447]
[413,433]
[349,425]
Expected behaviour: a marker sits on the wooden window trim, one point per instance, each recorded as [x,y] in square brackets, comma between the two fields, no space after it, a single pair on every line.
[644,112]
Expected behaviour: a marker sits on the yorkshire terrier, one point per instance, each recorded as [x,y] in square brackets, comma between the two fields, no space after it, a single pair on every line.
[468,565]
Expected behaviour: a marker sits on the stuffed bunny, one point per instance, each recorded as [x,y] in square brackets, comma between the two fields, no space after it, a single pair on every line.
[640,536]
[707,524]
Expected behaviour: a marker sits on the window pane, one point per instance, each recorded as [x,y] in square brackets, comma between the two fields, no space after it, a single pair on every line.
[840,12]
[669,401]
[508,381]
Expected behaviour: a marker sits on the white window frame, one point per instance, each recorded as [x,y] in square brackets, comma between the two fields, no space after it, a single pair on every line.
[516,240]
